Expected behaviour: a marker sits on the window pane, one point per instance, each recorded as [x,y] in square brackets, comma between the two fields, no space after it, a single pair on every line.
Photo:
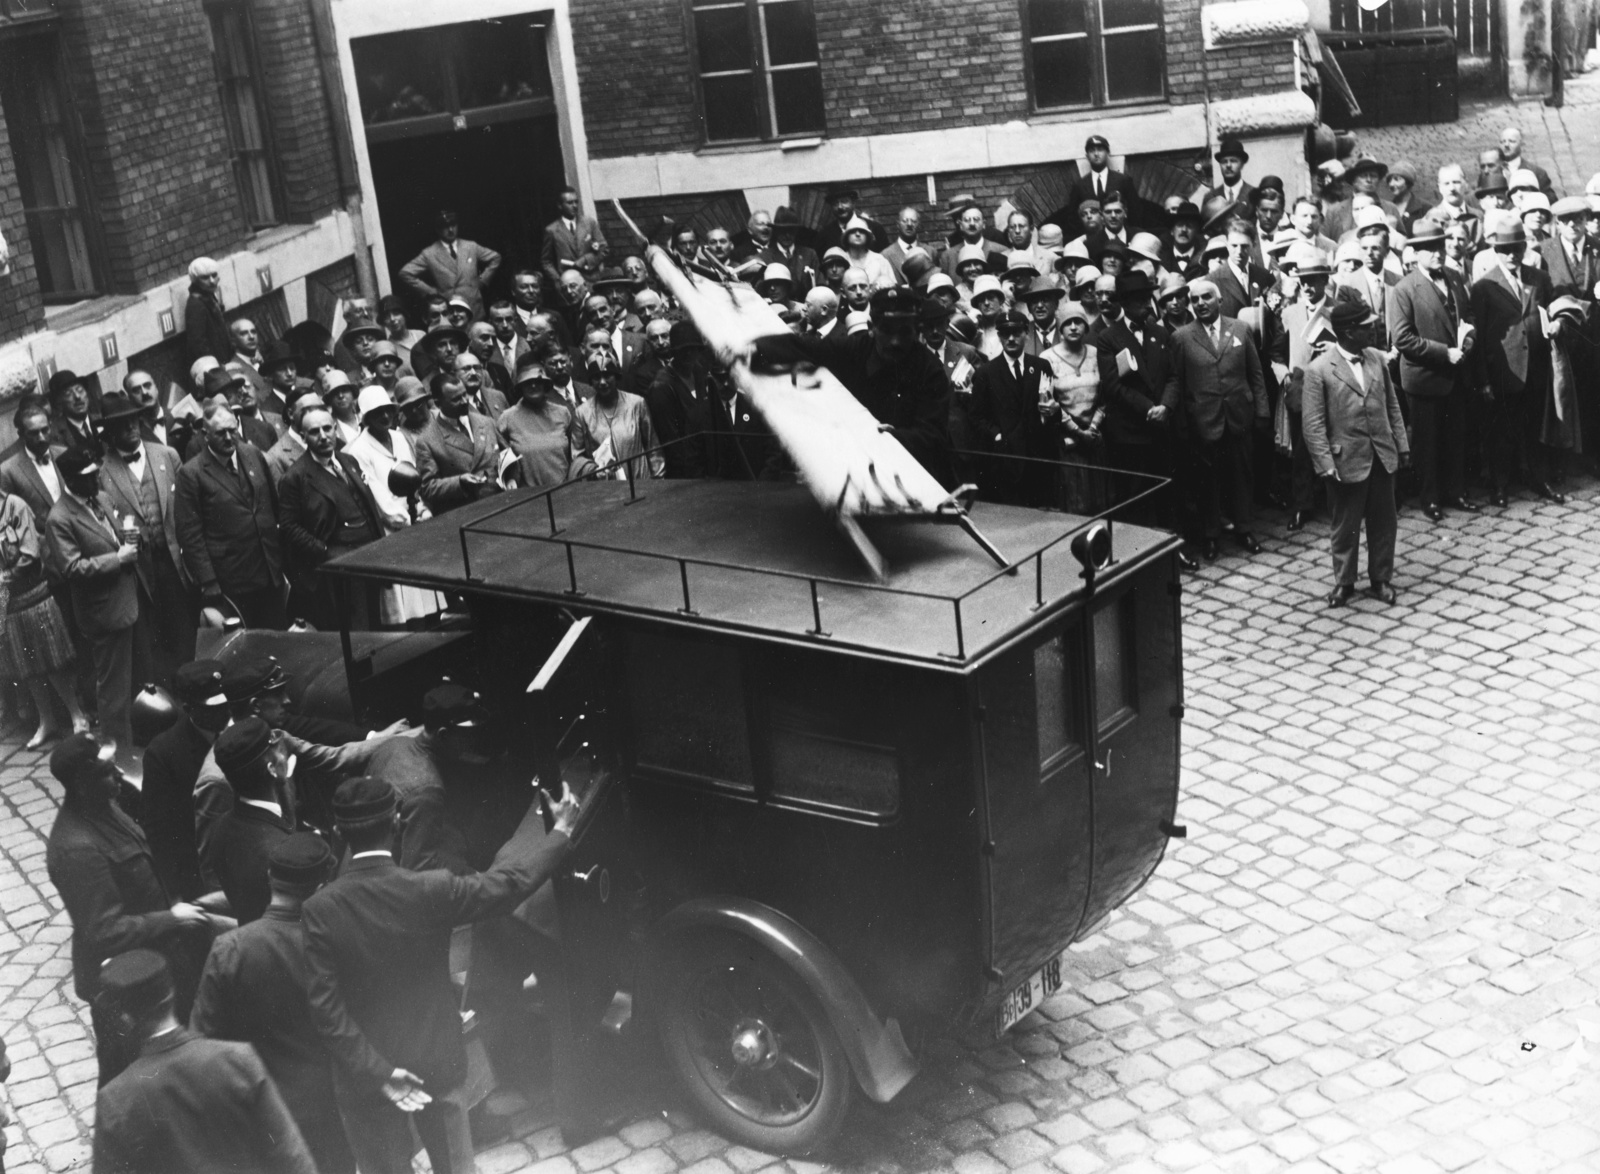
[831,738]
[1061,73]
[731,110]
[1052,691]
[1133,66]
[398,75]
[791,32]
[849,775]
[723,37]
[500,61]
[1048,18]
[797,94]
[687,700]
[1117,14]
[1111,673]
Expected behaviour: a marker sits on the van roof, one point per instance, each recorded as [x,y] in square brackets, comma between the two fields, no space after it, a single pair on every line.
[756,556]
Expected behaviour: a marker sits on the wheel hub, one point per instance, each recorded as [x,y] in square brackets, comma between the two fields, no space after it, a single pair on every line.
[752,1044]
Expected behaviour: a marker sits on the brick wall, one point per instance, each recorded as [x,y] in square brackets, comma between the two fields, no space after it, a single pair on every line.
[142,80]
[292,86]
[895,65]
[21,308]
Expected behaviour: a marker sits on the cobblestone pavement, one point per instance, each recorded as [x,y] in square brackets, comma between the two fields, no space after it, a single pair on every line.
[1376,951]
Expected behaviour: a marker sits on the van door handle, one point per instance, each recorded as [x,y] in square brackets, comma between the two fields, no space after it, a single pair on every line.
[600,877]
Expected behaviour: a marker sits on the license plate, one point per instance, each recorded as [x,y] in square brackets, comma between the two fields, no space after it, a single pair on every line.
[1043,983]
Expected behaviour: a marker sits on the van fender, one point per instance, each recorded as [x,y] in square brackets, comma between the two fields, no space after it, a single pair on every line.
[876,1049]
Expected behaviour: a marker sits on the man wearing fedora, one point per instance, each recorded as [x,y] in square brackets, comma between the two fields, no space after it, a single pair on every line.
[139,481]
[438,350]
[71,425]
[450,266]
[1426,311]
[1181,253]
[842,203]
[1366,174]
[234,392]
[1357,441]
[1232,185]
[800,260]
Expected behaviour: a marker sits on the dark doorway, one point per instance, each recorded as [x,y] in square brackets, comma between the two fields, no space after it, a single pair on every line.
[502,179]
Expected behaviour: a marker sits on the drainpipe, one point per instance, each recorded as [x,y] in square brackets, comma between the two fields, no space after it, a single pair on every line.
[344,155]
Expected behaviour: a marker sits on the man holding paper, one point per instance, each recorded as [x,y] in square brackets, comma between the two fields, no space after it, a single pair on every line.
[1431,325]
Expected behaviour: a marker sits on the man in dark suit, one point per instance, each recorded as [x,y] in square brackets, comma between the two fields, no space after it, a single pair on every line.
[71,424]
[805,269]
[1098,181]
[842,203]
[171,765]
[1240,280]
[1009,397]
[92,556]
[1511,359]
[1426,310]
[571,241]
[1365,175]
[744,448]
[186,1103]
[228,526]
[451,267]
[378,943]
[1217,383]
[99,862]
[256,990]
[1357,441]
[1232,185]
[325,509]
[260,819]
[1182,253]
[458,452]
[139,480]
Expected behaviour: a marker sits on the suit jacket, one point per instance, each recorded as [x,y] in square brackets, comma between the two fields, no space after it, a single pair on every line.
[1422,327]
[256,990]
[100,864]
[1303,329]
[19,476]
[746,449]
[237,853]
[1083,189]
[435,271]
[1347,427]
[629,347]
[1565,278]
[119,488]
[289,449]
[1129,397]
[1004,415]
[571,248]
[803,265]
[205,327]
[189,1103]
[1236,297]
[269,403]
[444,454]
[308,499]
[68,435]
[1220,390]
[831,234]
[1511,352]
[105,594]
[229,532]
[896,255]
[378,943]
[166,813]
[1340,219]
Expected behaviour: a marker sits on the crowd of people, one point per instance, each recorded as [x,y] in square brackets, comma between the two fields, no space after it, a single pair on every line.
[1244,345]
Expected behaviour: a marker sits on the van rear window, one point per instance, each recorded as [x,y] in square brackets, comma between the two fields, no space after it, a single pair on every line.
[688,707]
[830,736]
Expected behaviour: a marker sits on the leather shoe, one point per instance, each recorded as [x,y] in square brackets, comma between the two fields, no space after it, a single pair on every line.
[1465,506]
[1211,550]
[1187,561]
[1382,592]
[1341,595]
[1499,498]
[1297,520]
[1433,513]
[1545,490]
[1248,541]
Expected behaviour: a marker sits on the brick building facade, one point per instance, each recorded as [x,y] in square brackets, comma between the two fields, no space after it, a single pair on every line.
[136,135]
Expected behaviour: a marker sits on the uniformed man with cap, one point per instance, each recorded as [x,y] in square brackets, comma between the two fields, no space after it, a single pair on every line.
[889,371]
[1097,181]
[256,989]
[378,942]
[186,1103]
[262,816]
[171,766]
[99,862]
[1013,415]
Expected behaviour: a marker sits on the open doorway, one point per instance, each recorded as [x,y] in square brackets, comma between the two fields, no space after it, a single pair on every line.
[462,116]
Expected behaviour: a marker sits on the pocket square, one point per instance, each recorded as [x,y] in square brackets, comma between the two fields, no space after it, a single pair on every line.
[1236,340]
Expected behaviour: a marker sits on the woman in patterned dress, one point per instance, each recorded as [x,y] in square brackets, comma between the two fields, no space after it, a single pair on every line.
[36,649]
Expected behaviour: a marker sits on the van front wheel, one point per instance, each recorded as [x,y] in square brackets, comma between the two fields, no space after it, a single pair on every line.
[753,1047]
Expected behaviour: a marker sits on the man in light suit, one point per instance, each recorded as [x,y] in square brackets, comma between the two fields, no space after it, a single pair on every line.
[89,554]
[1216,383]
[458,452]
[451,267]
[140,480]
[1426,309]
[571,241]
[1357,441]
[33,474]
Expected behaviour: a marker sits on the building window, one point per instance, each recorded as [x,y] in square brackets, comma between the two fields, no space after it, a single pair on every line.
[1094,52]
[233,49]
[760,70]
[50,170]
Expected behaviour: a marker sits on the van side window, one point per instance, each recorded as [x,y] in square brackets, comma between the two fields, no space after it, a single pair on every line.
[688,707]
[1115,691]
[1052,690]
[830,738]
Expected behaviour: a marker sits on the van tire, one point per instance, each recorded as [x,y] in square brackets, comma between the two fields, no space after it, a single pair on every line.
[725,995]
